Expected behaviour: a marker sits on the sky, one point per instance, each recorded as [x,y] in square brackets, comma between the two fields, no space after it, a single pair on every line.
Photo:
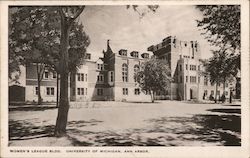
[126,30]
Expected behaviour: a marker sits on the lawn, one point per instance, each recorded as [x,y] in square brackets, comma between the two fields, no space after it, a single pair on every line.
[164,123]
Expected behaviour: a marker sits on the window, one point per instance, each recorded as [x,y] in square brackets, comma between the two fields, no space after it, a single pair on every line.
[226,84]
[137,91]
[192,79]
[134,54]
[111,76]
[86,91]
[124,72]
[193,67]
[50,91]
[88,56]
[199,79]
[99,91]
[100,78]
[46,74]
[80,91]
[78,77]
[186,66]
[54,74]
[212,92]
[82,77]
[125,91]
[199,67]
[36,90]
[123,52]
[100,66]
[205,81]
[186,78]
[180,67]
[136,69]
[86,77]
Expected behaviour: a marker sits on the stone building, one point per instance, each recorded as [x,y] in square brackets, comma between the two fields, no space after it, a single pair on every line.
[112,76]
[184,58]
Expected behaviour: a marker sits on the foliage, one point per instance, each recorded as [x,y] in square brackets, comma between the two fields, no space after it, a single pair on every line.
[142,11]
[34,37]
[68,15]
[155,75]
[221,24]
[221,67]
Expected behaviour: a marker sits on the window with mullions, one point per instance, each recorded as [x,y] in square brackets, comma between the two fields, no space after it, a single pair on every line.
[80,77]
[125,91]
[80,91]
[137,91]
[100,78]
[50,91]
[124,72]
[99,91]
[36,90]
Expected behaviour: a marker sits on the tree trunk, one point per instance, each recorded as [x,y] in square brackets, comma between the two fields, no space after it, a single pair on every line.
[152,96]
[39,99]
[216,87]
[57,90]
[39,102]
[62,117]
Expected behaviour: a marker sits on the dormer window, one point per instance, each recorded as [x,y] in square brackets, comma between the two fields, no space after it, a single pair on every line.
[123,52]
[145,55]
[134,54]
[46,74]
[88,56]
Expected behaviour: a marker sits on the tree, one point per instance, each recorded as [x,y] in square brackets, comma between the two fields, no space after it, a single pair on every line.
[155,75]
[34,38]
[30,39]
[220,69]
[67,15]
[221,24]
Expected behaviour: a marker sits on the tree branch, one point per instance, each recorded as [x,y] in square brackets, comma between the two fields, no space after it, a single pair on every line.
[79,11]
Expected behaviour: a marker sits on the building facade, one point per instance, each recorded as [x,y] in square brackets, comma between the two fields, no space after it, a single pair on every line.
[184,58]
[111,77]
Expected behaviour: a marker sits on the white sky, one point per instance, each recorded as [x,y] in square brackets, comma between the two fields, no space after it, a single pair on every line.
[126,30]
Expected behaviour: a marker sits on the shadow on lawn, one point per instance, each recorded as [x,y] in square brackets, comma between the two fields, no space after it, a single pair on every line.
[32,108]
[222,129]
[169,131]
[24,130]
[228,111]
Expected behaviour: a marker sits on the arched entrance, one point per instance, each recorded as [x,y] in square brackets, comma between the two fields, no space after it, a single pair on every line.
[193,93]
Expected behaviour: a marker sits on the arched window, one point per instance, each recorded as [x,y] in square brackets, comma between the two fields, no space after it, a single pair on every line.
[136,69]
[124,72]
